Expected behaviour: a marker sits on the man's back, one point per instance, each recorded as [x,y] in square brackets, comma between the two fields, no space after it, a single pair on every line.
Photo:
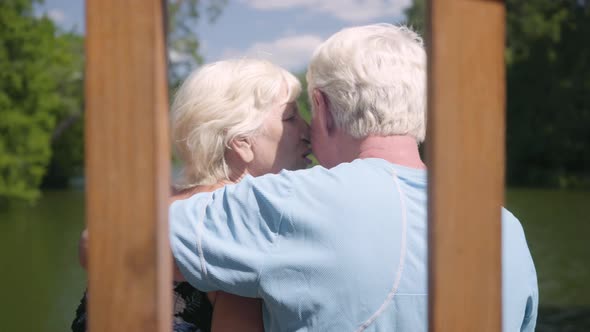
[327,250]
[353,251]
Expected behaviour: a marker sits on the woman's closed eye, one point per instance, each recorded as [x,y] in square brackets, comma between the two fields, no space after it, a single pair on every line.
[291,112]
[290,117]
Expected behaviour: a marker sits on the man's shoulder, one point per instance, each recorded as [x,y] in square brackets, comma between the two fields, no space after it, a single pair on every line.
[511,226]
[355,167]
[514,244]
[519,277]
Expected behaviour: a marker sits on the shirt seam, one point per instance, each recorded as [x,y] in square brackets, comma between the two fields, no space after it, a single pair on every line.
[401,263]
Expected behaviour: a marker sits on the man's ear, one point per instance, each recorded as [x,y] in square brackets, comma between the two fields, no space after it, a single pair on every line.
[243,148]
[322,112]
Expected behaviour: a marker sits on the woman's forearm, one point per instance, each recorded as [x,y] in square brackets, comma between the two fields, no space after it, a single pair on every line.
[236,313]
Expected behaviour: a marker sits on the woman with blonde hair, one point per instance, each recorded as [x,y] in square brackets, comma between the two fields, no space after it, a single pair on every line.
[230,119]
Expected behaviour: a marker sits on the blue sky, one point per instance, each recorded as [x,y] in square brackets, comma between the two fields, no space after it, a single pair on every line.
[283,31]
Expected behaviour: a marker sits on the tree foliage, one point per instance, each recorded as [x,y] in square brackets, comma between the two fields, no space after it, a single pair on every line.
[29,97]
[42,91]
[416,16]
[303,100]
[548,90]
[183,43]
[548,77]
[67,138]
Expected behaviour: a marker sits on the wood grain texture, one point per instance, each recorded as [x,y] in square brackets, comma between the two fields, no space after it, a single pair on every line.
[127,167]
[465,153]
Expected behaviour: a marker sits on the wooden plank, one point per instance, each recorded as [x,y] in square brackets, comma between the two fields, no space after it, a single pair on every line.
[465,153]
[127,167]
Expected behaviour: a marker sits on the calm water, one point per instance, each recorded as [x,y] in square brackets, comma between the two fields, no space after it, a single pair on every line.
[42,283]
[557,226]
[40,278]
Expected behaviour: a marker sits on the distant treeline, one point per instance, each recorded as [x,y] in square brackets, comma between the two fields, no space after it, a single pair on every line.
[548,91]
[41,91]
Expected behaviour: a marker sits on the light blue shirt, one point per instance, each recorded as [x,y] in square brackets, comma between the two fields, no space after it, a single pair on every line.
[343,249]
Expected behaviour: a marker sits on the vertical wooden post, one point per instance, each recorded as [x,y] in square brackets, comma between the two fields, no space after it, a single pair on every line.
[466,163]
[127,166]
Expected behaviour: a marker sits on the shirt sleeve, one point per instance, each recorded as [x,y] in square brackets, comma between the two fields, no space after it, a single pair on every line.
[519,284]
[220,240]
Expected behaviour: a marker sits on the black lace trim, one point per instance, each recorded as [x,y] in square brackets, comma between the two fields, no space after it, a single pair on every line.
[192,311]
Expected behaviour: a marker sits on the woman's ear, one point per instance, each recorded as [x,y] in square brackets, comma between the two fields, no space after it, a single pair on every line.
[322,113]
[243,148]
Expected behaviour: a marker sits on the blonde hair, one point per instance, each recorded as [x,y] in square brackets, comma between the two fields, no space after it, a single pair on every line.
[220,102]
[374,78]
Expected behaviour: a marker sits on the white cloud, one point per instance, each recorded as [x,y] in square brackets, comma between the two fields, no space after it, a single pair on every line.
[354,11]
[292,53]
[56,15]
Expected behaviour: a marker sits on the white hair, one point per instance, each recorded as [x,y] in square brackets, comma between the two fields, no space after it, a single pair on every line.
[220,102]
[374,78]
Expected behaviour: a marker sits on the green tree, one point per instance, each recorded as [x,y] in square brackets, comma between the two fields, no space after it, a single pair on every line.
[416,16]
[548,90]
[304,106]
[29,98]
[183,43]
[548,79]
[41,91]
[68,137]
[303,100]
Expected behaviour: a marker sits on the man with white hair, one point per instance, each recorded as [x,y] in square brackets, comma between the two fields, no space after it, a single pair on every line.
[342,246]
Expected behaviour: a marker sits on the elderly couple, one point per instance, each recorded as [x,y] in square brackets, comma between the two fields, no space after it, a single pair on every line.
[337,247]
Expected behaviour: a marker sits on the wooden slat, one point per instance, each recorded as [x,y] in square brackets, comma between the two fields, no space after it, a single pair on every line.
[127,167]
[465,153]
